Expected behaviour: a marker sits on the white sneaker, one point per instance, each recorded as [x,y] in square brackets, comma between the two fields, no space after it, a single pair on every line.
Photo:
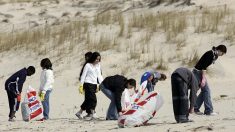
[95,116]
[78,114]
[199,113]
[213,114]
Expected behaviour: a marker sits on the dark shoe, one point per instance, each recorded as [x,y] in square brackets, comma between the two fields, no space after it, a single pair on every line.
[11,120]
[199,113]
[45,118]
[88,117]
[184,121]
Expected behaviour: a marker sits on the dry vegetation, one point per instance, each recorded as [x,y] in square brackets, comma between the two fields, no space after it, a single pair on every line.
[64,38]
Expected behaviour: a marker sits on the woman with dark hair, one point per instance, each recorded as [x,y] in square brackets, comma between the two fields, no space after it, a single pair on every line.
[88,77]
[46,85]
[113,87]
[88,55]
[200,73]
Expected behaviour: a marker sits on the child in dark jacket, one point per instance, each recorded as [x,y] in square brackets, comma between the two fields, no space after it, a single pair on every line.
[13,87]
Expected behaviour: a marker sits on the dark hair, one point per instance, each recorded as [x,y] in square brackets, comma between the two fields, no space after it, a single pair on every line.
[88,55]
[30,70]
[221,48]
[132,82]
[92,59]
[163,76]
[46,64]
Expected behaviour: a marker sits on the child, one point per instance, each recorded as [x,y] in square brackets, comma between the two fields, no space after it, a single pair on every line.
[128,97]
[152,78]
[46,85]
[13,87]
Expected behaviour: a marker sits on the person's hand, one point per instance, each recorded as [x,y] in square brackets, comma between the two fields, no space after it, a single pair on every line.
[120,113]
[18,97]
[42,96]
[203,82]
[39,92]
[81,90]
[97,88]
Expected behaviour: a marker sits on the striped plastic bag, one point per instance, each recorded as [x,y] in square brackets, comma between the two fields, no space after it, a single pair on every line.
[141,111]
[31,108]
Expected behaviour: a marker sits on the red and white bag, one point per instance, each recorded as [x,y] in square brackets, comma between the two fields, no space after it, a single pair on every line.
[142,111]
[31,108]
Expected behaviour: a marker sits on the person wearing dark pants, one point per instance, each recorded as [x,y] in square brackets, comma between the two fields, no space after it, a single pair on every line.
[13,87]
[113,87]
[200,73]
[90,75]
[183,80]
[90,97]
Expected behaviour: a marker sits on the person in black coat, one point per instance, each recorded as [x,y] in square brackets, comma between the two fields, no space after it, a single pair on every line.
[112,87]
[200,73]
[13,87]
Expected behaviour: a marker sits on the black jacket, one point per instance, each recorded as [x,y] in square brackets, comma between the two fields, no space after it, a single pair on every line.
[206,60]
[15,82]
[117,85]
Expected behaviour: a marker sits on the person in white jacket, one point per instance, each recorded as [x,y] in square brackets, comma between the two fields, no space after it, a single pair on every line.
[46,85]
[128,97]
[90,76]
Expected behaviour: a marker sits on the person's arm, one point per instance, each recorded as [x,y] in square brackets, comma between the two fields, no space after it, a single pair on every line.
[84,73]
[100,77]
[193,93]
[20,82]
[207,59]
[49,79]
[118,94]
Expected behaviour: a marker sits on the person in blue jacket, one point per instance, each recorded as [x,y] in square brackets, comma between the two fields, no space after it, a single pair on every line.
[152,78]
[13,87]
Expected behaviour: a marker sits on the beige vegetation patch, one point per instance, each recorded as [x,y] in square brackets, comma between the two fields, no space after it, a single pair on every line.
[119,29]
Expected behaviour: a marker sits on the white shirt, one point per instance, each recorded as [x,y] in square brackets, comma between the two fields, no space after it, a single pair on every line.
[128,98]
[46,80]
[91,73]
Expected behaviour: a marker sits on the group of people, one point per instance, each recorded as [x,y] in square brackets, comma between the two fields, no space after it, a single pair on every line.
[120,90]
[182,80]
[14,85]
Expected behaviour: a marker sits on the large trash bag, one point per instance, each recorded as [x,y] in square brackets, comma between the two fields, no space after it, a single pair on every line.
[31,108]
[142,111]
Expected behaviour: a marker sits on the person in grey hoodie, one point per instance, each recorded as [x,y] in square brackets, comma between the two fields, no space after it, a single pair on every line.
[182,80]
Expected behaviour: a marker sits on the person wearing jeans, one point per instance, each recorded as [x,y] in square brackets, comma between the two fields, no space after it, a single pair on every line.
[46,105]
[113,87]
[200,72]
[46,85]
[112,113]
[204,96]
